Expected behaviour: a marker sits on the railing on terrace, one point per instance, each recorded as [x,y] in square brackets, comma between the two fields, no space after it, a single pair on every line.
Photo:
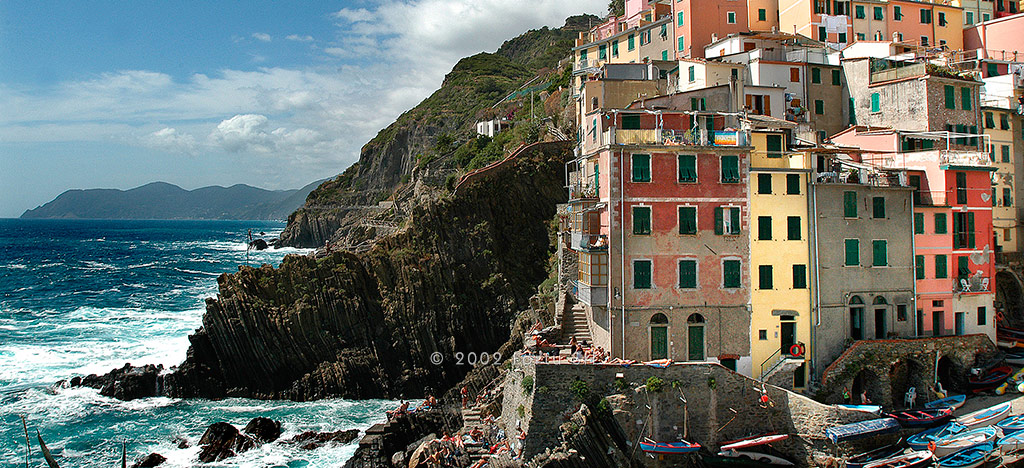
[863,177]
[667,137]
[896,73]
[974,284]
[582,66]
[777,359]
[965,158]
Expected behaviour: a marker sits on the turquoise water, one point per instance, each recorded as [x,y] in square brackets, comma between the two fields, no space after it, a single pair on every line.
[80,297]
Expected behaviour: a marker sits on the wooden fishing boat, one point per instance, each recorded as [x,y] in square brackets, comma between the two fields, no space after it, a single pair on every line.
[952,402]
[719,461]
[859,430]
[914,459]
[958,442]
[986,416]
[874,409]
[1015,357]
[1011,424]
[990,380]
[921,440]
[1012,443]
[1010,333]
[753,441]
[1011,382]
[878,454]
[761,457]
[922,418]
[970,457]
[668,448]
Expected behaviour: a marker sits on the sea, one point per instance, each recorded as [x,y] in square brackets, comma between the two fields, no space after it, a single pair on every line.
[87,296]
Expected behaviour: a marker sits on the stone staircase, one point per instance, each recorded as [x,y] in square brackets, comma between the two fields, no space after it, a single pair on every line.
[575,324]
[781,374]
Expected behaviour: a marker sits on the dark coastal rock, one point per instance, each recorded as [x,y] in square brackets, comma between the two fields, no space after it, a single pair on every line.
[310,440]
[263,429]
[181,442]
[149,461]
[222,440]
[126,383]
[403,434]
[258,244]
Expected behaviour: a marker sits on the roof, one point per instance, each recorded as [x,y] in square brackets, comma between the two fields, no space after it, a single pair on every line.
[770,121]
[776,36]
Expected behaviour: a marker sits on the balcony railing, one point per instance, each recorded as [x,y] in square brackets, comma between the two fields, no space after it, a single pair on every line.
[896,73]
[667,137]
[870,178]
[965,158]
[591,295]
[975,284]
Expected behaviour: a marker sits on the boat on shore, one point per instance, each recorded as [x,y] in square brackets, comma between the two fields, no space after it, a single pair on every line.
[970,457]
[1011,424]
[963,440]
[878,454]
[668,448]
[921,440]
[989,380]
[1012,443]
[753,441]
[922,418]
[873,409]
[985,416]
[916,459]
[862,429]
[952,402]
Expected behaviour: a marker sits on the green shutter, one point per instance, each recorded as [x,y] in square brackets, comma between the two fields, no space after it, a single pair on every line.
[719,223]
[878,207]
[941,266]
[687,220]
[970,230]
[962,268]
[799,276]
[641,168]
[680,18]
[692,74]
[853,112]
[642,274]
[859,11]
[734,217]
[681,43]
[762,15]
[664,55]
[835,78]
[990,121]
[793,223]
[897,13]
[731,273]
[879,253]
[774,145]
[819,106]
[918,223]
[793,184]
[950,100]
[602,52]
[764,228]
[631,122]
[693,104]
[849,204]
[764,277]
[958,230]
[965,97]
[879,15]
[687,168]
[641,220]
[688,274]
[631,41]
[919,266]
[615,49]
[852,252]
[730,169]
[815,75]
[876,105]
[764,183]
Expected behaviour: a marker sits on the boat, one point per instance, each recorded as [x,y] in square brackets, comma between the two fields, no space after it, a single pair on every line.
[668,448]
[952,402]
[922,418]
[731,462]
[859,430]
[920,440]
[916,459]
[881,453]
[1010,333]
[990,380]
[958,442]
[1011,424]
[874,409]
[760,457]
[1012,443]
[986,416]
[1011,382]
[969,457]
[1015,356]
[753,441]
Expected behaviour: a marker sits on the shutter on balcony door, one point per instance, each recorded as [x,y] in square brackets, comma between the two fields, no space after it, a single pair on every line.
[735,218]
[719,229]
[767,105]
[970,230]
[750,102]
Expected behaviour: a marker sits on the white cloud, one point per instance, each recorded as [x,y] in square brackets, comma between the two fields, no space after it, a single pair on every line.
[262,37]
[354,15]
[244,132]
[299,38]
[170,139]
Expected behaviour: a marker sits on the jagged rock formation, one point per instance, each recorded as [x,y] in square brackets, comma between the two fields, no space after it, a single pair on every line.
[365,326]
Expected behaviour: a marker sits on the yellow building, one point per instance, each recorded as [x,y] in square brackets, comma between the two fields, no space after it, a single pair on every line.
[763,15]
[869,23]
[780,266]
[947,29]
[999,124]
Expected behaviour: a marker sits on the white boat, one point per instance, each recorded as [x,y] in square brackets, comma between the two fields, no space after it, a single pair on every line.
[874,409]
[758,456]
[985,417]
[1012,443]
[958,442]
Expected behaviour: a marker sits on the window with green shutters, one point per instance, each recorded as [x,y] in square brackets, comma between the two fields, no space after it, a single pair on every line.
[773,143]
[1005,153]
[615,49]
[926,16]
[631,122]
[852,248]
[731,273]
[849,204]
[692,73]
[940,223]
[631,42]
[941,266]
[835,78]
[918,223]
[876,105]
[641,167]
[965,98]
[681,43]
[852,111]
[687,220]
[799,276]
[583,55]
[816,75]
[1007,198]
[793,227]
[963,269]
[764,184]
[764,228]
[919,266]
[969,17]
[859,12]
[878,207]
[1004,122]
[961,187]
[819,106]
[764,277]
[879,15]
[727,220]
[897,13]
[730,169]
[949,95]
[879,253]
[990,121]
[602,52]
[730,17]
[687,274]
[687,168]
[762,14]
[641,274]
[679,18]
[641,220]
[793,184]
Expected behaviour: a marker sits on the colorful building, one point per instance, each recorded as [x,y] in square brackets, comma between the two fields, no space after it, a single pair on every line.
[1001,121]
[701,22]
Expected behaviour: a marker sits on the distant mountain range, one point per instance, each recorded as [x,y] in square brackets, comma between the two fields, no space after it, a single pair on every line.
[160,200]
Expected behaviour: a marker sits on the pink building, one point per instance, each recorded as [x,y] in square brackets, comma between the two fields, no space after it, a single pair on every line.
[701,22]
[1000,39]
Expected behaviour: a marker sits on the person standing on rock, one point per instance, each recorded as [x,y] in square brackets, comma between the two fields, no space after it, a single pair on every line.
[465,396]
[846,395]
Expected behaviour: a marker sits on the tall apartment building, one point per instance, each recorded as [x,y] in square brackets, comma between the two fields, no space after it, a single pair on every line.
[840,23]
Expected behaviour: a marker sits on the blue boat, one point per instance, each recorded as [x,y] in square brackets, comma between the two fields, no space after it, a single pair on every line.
[951,402]
[1011,443]
[920,440]
[883,453]
[667,448]
[875,409]
[960,441]
[1012,424]
[859,430]
[969,457]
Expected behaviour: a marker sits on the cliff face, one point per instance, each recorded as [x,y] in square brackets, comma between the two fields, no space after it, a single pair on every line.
[365,325]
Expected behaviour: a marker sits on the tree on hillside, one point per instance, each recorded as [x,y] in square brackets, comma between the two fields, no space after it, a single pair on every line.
[617,7]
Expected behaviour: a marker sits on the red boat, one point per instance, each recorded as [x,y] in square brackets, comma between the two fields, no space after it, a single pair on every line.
[753,441]
[923,418]
[991,379]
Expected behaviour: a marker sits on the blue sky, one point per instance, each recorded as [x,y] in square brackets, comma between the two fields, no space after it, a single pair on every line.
[272,94]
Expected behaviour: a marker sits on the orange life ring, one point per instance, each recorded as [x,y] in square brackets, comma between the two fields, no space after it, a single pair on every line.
[796,350]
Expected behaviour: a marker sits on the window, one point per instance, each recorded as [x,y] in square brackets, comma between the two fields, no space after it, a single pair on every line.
[697,104]
[819,106]
[926,16]
[641,274]
[849,204]
[860,36]
[687,274]
[764,277]
[897,13]
[942,18]
[950,101]
[919,266]
[682,43]
[822,34]
[793,227]
[687,220]
[852,252]
[963,230]
[641,167]
[1007,198]
[879,15]
[982,312]
[878,207]
[602,52]
[794,74]
[593,268]
[876,105]
[764,228]
[730,169]
[985,17]
[641,220]
[924,40]
[679,19]
[965,96]
[990,121]
[774,145]
[842,37]
[764,184]
[799,276]
[730,17]
[835,78]
[901,312]
[762,335]
[969,17]
[1005,150]
[664,54]
[879,253]
[731,273]
[793,184]
[727,220]
[687,168]
[631,42]
[940,223]
[852,108]
[963,270]
[692,74]
[858,12]
[1004,122]
[762,14]
[816,75]
[961,187]
[583,55]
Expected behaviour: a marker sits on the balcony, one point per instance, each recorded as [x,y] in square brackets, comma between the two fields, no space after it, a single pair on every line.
[591,295]
[667,137]
[976,284]
[587,66]
[582,190]
[588,241]
[964,158]
[896,73]
[863,177]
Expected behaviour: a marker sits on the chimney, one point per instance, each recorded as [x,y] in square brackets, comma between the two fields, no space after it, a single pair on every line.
[714,38]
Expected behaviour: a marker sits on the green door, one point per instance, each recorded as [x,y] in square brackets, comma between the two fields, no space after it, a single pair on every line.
[659,343]
[696,343]
[787,336]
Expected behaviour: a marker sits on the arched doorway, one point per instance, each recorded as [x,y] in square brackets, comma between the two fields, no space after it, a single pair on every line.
[856,318]
[1008,300]
[695,337]
[659,336]
[946,373]
[904,375]
[865,383]
[881,308]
